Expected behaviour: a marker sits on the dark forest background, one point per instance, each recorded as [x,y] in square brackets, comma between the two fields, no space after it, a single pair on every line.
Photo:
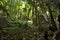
[29,19]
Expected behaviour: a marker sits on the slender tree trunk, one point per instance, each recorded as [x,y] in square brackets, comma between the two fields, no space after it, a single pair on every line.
[59,15]
[29,11]
[34,13]
[52,19]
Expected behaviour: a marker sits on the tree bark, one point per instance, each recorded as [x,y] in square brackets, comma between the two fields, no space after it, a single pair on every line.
[52,19]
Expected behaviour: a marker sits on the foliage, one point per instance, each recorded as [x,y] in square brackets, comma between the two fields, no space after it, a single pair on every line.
[23,17]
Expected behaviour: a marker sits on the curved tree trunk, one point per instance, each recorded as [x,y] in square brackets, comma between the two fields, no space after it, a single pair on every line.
[52,19]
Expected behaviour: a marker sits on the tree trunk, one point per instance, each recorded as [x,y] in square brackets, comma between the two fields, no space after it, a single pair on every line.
[52,19]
